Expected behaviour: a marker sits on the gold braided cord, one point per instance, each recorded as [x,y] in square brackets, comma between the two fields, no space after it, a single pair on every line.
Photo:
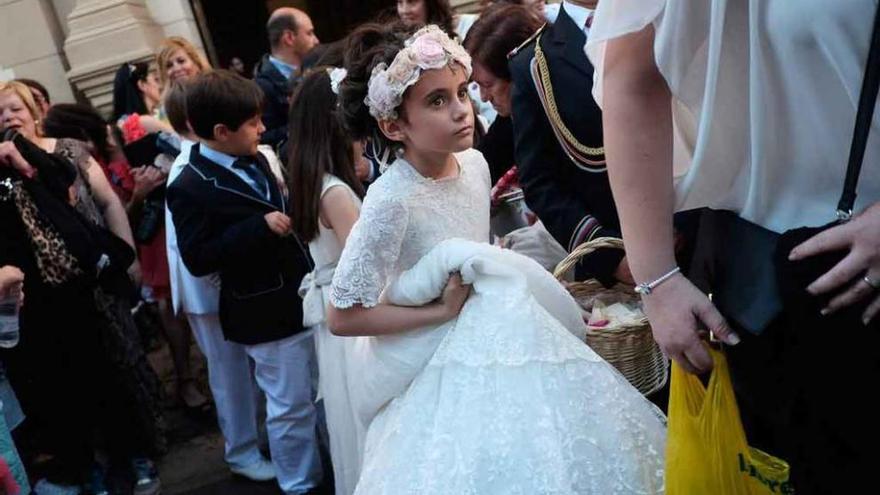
[553,112]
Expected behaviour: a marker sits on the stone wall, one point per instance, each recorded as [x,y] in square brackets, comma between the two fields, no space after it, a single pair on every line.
[75,46]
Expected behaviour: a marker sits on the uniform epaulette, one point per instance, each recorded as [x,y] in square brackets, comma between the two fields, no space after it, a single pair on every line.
[525,43]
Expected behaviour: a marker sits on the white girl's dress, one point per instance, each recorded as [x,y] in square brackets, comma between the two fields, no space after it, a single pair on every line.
[506,398]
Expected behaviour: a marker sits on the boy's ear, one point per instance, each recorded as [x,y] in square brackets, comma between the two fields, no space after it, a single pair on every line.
[392,130]
[221,132]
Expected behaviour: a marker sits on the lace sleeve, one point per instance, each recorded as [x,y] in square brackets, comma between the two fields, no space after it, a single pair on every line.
[370,254]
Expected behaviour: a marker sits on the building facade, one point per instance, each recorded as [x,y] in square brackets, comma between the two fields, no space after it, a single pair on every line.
[74,47]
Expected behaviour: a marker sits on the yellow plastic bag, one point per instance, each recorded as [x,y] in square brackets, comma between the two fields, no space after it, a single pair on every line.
[706,451]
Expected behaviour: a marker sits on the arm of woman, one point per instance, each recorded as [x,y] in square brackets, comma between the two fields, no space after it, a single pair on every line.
[108,201]
[153,125]
[637,119]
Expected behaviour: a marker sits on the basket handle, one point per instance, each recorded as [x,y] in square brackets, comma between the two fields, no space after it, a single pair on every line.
[583,250]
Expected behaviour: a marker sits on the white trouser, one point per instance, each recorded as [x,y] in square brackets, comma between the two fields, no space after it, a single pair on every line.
[235,392]
[283,370]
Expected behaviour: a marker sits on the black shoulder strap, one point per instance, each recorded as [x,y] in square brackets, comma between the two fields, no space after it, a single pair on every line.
[864,117]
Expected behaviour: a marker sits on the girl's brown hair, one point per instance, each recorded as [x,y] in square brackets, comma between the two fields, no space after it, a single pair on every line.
[365,48]
[319,145]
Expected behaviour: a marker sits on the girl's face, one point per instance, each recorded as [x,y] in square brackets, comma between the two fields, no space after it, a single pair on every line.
[180,67]
[412,12]
[15,115]
[151,89]
[437,113]
[493,89]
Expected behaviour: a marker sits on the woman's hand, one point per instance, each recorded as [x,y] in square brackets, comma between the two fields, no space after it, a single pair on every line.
[146,180]
[623,273]
[861,237]
[680,315]
[135,274]
[454,296]
[362,168]
[10,156]
[11,281]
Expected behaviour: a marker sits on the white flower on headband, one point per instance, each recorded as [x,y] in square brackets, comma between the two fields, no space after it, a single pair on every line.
[337,75]
[429,48]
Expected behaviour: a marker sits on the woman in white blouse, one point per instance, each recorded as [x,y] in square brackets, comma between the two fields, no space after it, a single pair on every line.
[749,106]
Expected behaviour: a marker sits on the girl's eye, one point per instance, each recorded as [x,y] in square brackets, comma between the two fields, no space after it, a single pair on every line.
[463,94]
[438,101]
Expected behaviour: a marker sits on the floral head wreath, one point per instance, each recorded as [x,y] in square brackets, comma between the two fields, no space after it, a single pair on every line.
[429,48]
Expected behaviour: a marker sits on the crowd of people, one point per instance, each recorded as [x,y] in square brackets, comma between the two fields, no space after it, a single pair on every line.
[324,232]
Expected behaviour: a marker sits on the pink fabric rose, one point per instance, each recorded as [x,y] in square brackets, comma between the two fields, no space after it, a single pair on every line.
[429,52]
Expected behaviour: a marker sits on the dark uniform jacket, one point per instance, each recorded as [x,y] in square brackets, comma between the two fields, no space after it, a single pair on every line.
[573,200]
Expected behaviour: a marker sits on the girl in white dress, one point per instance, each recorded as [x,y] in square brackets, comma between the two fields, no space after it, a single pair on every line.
[487,394]
[326,198]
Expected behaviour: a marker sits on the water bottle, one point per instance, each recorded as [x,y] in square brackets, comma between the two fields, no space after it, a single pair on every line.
[9,321]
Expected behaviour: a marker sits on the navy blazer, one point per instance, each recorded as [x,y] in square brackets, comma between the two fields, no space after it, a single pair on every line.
[220,226]
[574,202]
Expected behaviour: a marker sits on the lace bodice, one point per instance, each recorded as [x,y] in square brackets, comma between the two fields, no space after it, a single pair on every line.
[404,215]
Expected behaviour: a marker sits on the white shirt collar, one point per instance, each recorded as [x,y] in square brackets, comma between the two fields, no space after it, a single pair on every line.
[217,157]
[578,14]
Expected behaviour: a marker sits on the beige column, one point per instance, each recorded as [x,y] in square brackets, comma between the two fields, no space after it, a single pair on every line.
[102,35]
[30,46]
[176,19]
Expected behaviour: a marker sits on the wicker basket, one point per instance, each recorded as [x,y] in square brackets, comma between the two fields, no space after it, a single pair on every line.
[629,348]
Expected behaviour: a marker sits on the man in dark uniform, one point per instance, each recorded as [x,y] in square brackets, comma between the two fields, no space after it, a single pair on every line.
[558,140]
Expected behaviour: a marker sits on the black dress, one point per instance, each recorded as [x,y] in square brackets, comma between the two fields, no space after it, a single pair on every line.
[67,369]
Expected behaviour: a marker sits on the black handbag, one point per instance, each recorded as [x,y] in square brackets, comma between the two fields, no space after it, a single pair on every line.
[745,268]
[143,152]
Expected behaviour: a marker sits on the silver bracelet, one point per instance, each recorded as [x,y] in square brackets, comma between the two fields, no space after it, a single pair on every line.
[646,288]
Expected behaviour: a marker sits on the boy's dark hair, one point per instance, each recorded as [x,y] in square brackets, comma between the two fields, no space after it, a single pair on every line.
[318,146]
[221,97]
[500,29]
[365,48]
[175,107]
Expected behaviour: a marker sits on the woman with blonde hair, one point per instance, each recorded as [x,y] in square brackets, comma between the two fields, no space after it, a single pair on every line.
[179,60]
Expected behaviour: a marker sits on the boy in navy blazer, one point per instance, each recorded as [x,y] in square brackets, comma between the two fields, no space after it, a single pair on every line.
[230,216]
